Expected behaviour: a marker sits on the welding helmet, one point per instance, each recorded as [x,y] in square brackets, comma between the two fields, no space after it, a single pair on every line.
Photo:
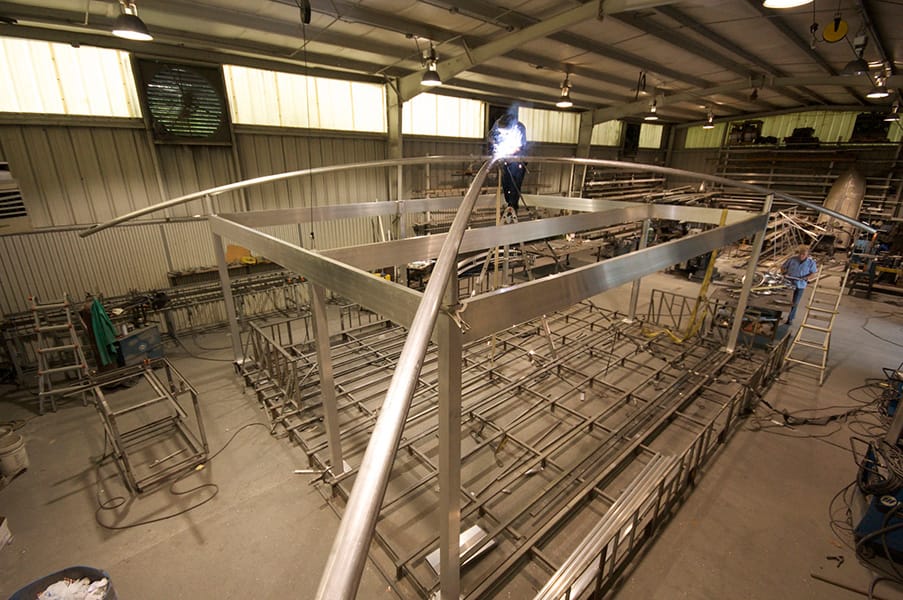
[506,121]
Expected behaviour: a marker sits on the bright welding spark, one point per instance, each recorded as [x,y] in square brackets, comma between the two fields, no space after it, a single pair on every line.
[508,141]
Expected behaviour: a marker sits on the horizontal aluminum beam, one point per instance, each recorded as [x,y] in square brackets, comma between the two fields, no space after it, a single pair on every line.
[281,216]
[500,309]
[696,214]
[373,256]
[397,303]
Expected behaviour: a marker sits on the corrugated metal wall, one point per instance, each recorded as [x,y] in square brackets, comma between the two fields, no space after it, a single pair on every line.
[79,175]
[280,151]
[447,176]
[51,264]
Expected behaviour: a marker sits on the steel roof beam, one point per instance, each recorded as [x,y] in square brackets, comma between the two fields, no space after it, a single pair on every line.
[616,112]
[409,86]
[781,25]
[684,19]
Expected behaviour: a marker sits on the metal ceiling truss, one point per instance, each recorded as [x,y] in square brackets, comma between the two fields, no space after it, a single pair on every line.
[687,21]
[781,25]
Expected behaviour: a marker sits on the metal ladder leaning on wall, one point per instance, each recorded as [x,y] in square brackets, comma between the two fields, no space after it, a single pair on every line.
[59,352]
[815,330]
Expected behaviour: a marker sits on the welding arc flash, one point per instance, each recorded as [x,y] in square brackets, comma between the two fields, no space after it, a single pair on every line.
[508,141]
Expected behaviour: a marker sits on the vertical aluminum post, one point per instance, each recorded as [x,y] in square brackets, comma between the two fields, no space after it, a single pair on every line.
[450,358]
[635,290]
[327,383]
[219,249]
[748,281]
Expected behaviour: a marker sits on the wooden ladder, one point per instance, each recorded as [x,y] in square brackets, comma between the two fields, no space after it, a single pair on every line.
[814,333]
[59,352]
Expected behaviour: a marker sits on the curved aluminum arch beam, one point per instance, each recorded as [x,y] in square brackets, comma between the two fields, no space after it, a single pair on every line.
[615,164]
[345,564]
[246,183]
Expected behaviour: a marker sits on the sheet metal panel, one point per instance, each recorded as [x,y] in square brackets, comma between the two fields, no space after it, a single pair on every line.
[51,264]
[79,175]
[503,308]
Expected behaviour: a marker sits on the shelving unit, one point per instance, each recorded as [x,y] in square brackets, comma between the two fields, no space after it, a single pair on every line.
[809,174]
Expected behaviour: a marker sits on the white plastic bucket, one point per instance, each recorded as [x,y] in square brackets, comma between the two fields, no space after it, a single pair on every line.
[13,457]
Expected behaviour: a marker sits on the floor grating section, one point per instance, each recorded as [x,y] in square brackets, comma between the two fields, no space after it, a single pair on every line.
[554,427]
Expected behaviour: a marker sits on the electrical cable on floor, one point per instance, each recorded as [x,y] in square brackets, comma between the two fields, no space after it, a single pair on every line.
[875,581]
[872,333]
[194,340]
[842,528]
[117,501]
[193,355]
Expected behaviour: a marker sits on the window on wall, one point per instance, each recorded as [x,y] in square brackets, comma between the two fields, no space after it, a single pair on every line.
[433,114]
[651,135]
[608,133]
[259,97]
[553,126]
[43,77]
[697,137]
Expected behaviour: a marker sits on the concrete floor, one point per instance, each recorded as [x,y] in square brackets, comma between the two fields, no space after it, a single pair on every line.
[755,527]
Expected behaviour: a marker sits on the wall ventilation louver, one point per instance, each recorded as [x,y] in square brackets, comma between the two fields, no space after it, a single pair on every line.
[13,215]
[184,103]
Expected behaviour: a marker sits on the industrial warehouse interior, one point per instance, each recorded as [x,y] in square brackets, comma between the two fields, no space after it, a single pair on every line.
[422,299]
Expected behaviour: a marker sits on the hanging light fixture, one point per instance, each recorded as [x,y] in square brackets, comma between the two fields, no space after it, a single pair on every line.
[565,100]
[709,121]
[129,26]
[785,3]
[893,115]
[857,66]
[431,76]
[880,90]
[652,115]
[640,86]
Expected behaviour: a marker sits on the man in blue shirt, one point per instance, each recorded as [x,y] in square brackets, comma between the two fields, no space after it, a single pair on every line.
[799,269]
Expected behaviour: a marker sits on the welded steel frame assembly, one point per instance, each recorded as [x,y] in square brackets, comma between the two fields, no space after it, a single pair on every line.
[456,324]
[154,424]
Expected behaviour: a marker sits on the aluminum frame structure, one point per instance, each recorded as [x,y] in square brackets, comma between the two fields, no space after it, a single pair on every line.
[437,314]
[157,436]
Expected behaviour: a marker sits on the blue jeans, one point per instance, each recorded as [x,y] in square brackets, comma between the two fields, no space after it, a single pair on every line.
[797,296]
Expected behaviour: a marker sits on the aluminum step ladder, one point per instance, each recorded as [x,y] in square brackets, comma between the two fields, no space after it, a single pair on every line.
[812,342]
[59,353]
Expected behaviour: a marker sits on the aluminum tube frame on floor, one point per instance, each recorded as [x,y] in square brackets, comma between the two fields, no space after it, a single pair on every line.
[349,550]
[748,281]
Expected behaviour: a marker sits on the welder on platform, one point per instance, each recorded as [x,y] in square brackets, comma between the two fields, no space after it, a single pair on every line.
[507,138]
